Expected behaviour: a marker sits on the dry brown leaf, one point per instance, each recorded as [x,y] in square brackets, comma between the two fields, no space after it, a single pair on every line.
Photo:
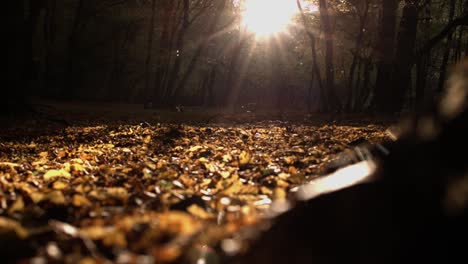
[8,225]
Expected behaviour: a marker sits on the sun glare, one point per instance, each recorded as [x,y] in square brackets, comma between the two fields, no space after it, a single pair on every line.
[268,17]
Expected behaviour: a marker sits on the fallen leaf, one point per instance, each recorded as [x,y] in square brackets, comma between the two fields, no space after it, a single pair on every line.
[56,173]
[8,225]
[18,205]
[79,201]
[244,158]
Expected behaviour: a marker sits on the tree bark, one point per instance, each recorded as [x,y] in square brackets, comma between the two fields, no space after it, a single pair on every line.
[16,30]
[445,58]
[449,28]
[404,53]
[356,55]
[315,71]
[69,86]
[163,61]
[179,49]
[384,53]
[200,49]
[149,50]
[329,66]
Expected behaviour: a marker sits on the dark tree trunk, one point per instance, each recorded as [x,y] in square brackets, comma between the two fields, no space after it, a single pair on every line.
[179,49]
[421,77]
[209,92]
[356,55]
[49,39]
[357,85]
[315,71]
[384,54]
[365,91]
[236,70]
[69,85]
[199,51]
[448,47]
[167,13]
[123,37]
[329,66]
[458,48]
[149,50]
[32,63]
[405,54]
[17,45]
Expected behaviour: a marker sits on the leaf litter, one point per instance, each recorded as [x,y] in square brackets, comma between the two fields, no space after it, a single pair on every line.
[155,193]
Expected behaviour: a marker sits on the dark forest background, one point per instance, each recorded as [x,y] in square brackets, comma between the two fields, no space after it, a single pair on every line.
[345,55]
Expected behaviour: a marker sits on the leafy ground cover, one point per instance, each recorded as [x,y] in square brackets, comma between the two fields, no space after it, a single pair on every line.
[107,191]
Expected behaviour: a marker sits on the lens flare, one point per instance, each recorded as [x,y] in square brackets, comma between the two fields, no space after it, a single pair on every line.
[268,17]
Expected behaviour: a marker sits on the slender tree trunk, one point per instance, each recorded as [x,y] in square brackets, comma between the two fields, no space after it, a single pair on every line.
[200,49]
[384,53]
[49,38]
[209,93]
[235,76]
[365,92]
[179,50]
[357,53]
[421,73]
[149,50]
[69,86]
[357,85]
[121,41]
[167,12]
[448,47]
[405,54]
[329,66]
[315,71]
[16,30]
[458,48]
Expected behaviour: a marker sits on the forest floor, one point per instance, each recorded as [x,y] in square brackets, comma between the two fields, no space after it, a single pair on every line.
[93,183]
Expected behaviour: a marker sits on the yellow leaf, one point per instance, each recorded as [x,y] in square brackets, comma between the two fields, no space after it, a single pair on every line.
[9,164]
[56,197]
[195,148]
[18,205]
[289,160]
[56,173]
[211,167]
[127,150]
[225,174]
[197,211]
[118,193]
[227,158]
[79,200]
[59,185]
[36,197]
[244,158]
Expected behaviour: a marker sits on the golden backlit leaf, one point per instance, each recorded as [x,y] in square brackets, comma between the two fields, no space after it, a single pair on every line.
[244,158]
[17,206]
[56,173]
[200,212]
[117,193]
[59,185]
[79,201]
[195,148]
[56,197]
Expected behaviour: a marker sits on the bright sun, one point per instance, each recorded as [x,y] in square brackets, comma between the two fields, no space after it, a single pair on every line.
[267,17]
